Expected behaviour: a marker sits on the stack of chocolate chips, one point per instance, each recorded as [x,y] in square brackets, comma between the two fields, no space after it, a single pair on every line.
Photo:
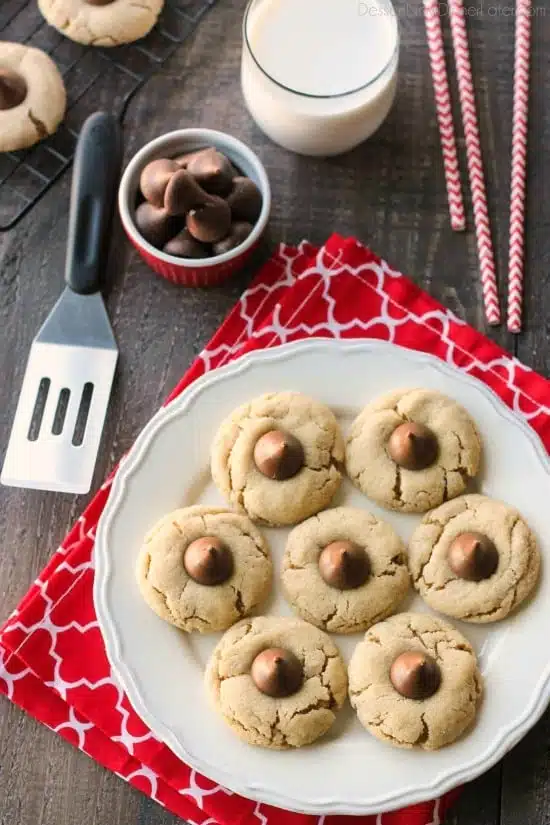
[197,205]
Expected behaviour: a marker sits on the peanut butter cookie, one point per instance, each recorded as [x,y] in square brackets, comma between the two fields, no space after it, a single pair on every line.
[278,458]
[474,558]
[343,570]
[414,681]
[412,450]
[102,22]
[203,568]
[277,682]
[32,96]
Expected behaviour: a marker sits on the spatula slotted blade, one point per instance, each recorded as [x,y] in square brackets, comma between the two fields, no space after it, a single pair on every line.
[63,402]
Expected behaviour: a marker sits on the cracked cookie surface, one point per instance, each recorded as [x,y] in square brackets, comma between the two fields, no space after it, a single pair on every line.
[282,723]
[170,591]
[377,475]
[43,107]
[111,24]
[427,723]
[353,610]
[265,499]
[474,601]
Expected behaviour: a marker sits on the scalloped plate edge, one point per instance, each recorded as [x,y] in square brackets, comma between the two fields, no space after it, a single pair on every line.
[510,735]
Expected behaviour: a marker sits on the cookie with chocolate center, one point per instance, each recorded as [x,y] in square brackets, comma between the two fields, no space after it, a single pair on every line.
[474,558]
[411,450]
[277,682]
[204,568]
[414,682]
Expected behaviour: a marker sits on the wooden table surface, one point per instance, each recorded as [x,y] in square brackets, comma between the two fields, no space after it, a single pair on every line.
[389,193]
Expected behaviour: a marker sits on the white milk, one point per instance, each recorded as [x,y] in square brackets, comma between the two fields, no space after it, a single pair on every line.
[319,76]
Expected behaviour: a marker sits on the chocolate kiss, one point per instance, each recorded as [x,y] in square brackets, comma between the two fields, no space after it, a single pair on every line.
[212,171]
[245,200]
[209,223]
[344,565]
[156,225]
[238,233]
[183,245]
[13,89]
[155,178]
[208,561]
[473,556]
[277,672]
[183,193]
[413,446]
[279,455]
[415,675]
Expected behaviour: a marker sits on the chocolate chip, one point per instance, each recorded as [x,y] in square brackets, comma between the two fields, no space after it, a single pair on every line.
[155,178]
[238,233]
[279,455]
[245,200]
[208,561]
[211,222]
[473,557]
[185,246]
[277,672]
[13,89]
[212,171]
[344,565]
[156,225]
[415,675]
[413,446]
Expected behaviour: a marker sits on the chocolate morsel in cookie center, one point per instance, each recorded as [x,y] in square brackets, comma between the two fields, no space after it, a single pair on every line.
[413,446]
[208,561]
[473,556]
[278,455]
[344,565]
[98,2]
[13,89]
[277,672]
[415,675]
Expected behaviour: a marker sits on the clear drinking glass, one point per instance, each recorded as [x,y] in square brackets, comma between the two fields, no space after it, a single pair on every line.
[319,76]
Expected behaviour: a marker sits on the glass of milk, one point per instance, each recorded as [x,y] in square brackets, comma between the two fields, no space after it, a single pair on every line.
[319,76]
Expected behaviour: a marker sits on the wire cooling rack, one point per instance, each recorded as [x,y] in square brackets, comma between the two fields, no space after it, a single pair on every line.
[95,78]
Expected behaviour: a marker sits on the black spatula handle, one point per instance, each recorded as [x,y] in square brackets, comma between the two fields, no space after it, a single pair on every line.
[96,174]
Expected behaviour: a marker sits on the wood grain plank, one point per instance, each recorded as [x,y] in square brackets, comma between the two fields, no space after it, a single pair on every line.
[479,803]
[525,785]
[526,770]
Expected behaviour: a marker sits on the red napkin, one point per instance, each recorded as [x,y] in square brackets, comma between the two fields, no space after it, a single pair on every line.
[52,659]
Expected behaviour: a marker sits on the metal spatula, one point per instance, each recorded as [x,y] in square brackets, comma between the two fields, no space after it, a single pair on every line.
[65,394]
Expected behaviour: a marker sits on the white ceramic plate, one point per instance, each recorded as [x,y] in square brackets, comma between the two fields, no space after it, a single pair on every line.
[161,669]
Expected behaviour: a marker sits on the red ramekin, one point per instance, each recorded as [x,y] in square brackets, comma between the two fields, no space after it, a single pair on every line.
[190,271]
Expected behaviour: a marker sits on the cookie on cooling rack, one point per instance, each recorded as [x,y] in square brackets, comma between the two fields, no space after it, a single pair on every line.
[32,96]
[102,22]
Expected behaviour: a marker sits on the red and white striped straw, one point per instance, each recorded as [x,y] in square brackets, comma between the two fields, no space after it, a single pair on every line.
[475,163]
[519,164]
[434,35]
